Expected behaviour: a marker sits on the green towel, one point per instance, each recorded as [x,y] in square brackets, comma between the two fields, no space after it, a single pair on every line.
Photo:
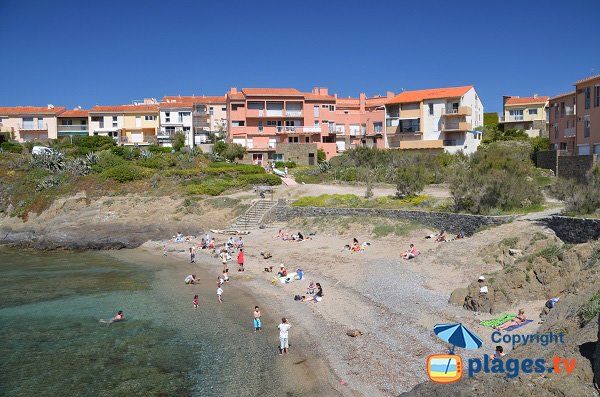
[494,322]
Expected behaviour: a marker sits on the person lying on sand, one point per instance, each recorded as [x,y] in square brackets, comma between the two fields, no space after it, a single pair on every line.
[434,235]
[412,252]
[280,234]
[515,321]
[120,316]
[441,238]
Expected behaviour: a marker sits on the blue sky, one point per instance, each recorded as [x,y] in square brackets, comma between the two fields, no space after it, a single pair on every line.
[111,52]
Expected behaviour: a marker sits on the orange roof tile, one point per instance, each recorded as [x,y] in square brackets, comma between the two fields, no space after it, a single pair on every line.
[309,96]
[75,113]
[526,100]
[563,95]
[271,92]
[17,110]
[435,93]
[376,101]
[348,102]
[210,99]
[236,96]
[588,79]
[125,109]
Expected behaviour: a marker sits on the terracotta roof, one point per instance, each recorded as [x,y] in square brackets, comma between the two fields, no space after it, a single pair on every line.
[309,96]
[435,93]
[348,102]
[125,109]
[526,100]
[236,96]
[210,99]
[16,110]
[272,91]
[588,79]
[377,101]
[176,104]
[563,95]
[75,113]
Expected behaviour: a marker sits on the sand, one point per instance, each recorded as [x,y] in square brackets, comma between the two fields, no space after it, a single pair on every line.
[394,302]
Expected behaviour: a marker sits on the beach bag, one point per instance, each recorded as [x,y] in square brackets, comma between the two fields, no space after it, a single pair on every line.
[297,298]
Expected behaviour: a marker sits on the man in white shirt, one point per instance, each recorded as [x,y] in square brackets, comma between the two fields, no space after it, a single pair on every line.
[283,335]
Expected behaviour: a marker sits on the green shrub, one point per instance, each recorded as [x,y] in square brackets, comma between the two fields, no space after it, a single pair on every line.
[159,149]
[159,162]
[232,167]
[580,197]
[590,310]
[106,159]
[260,179]
[410,181]
[12,147]
[126,173]
[321,156]
[211,187]
[510,242]
[283,164]
[353,201]
[178,141]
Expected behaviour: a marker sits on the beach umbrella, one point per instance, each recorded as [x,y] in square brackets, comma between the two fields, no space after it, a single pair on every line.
[458,336]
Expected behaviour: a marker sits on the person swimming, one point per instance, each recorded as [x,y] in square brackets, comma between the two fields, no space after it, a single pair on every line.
[120,316]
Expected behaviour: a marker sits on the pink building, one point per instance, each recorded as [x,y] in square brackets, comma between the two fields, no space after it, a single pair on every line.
[284,124]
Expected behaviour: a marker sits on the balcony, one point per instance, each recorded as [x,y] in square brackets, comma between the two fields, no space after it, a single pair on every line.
[570,132]
[298,130]
[460,111]
[460,126]
[421,144]
[515,118]
[146,140]
[293,113]
[73,128]
[34,127]
[274,112]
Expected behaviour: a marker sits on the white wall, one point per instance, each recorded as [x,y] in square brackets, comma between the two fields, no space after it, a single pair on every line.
[432,123]
[108,123]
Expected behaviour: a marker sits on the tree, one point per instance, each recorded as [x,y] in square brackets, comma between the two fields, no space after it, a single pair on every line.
[178,140]
[321,156]
[234,151]
[219,147]
[410,181]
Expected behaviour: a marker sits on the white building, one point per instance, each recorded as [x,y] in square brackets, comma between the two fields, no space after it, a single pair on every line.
[175,116]
[435,119]
[30,123]
[106,121]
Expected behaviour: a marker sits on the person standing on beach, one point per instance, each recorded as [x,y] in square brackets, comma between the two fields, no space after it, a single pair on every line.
[195,301]
[223,256]
[192,255]
[283,336]
[219,293]
[240,260]
[165,250]
[257,322]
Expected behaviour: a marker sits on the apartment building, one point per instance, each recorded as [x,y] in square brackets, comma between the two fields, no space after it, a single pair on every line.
[135,124]
[562,117]
[30,123]
[588,115]
[440,119]
[175,116]
[210,116]
[73,123]
[528,114]
[359,121]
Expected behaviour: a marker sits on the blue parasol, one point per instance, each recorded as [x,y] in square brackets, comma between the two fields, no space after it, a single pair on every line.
[458,336]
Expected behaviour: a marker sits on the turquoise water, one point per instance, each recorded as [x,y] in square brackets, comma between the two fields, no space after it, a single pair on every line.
[52,344]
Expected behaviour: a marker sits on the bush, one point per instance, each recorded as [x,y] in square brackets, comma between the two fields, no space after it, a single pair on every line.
[158,162]
[12,147]
[238,168]
[581,198]
[410,181]
[160,149]
[106,159]
[178,141]
[211,187]
[321,156]
[283,164]
[260,179]
[126,173]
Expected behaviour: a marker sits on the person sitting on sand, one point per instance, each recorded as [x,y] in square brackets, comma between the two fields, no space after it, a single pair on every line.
[282,271]
[279,234]
[211,245]
[316,297]
[460,235]
[231,242]
[520,319]
[412,252]
[190,279]
[499,352]
[120,316]
[441,238]
[311,288]
[240,243]
[356,247]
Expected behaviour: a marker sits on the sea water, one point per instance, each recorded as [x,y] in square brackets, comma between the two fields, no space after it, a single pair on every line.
[52,343]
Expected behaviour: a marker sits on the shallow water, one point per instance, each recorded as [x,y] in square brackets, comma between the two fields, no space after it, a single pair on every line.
[52,342]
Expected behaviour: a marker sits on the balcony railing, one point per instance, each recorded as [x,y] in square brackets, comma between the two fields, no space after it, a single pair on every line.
[515,118]
[34,127]
[461,126]
[298,130]
[460,111]
[146,139]
[393,115]
[73,128]
[293,113]
[570,132]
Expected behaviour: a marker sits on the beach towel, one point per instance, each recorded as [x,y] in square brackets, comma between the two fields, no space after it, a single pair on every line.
[513,327]
[494,322]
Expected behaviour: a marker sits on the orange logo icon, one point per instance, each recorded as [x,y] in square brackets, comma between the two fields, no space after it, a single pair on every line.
[444,368]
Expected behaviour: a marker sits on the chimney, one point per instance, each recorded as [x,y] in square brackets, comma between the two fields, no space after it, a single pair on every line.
[390,94]
[362,101]
[233,90]
[316,90]
[149,101]
[50,106]
[323,91]
[535,95]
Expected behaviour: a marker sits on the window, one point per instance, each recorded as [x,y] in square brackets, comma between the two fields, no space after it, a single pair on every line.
[180,117]
[170,130]
[278,156]
[410,125]
[240,123]
[307,139]
[235,106]
[516,115]
[273,123]
[597,96]
[377,127]
[328,107]
[149,118]
[532,111]
[40,123]
[556,113]
[66,122]
[587,92]
[430,109]
[260,126]
[555,126]
[186,129]
[83,121]
[223,109]
[211,111]
[316,124]
[316,110]
[293,139]
[345,112]
[114,122]
[562,109]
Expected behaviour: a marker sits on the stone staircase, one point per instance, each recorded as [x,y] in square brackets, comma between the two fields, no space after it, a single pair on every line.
[254,215]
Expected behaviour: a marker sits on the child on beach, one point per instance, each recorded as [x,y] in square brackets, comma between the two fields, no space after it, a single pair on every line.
[257,322]
[283,336]
[225,276]
[223,256]
[219,293]
[195,301]
[240,260]
[165,250]
[192,255]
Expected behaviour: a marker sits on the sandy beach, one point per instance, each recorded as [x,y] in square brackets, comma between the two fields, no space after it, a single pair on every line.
[394,302]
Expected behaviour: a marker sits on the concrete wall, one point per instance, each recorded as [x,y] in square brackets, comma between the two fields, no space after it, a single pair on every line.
[453,223]
[574,230]
[297,152]
[547,159]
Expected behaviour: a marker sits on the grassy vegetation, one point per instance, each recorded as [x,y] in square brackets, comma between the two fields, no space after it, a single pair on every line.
[377,227]
[553,253]
[510,242]
[353,201]
[590,310]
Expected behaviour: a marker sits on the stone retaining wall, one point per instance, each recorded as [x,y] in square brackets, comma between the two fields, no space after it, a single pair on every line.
[453,223]
[574,230]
